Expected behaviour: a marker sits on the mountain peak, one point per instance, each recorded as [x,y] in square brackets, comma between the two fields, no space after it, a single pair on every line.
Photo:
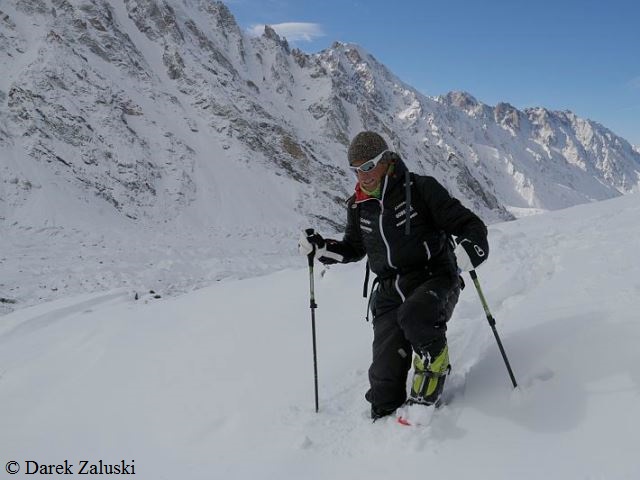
[271,34]
[222,12]
[507,115]
[460,99]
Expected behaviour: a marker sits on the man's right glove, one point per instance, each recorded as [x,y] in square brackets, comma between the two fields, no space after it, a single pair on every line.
[310,242]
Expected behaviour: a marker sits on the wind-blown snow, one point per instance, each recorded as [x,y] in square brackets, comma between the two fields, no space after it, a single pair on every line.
[218,383]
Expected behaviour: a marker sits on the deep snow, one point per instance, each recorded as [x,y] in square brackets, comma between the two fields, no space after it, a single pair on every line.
[218,383]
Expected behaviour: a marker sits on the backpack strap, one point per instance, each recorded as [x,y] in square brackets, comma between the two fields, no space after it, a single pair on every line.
[365,287]
[367,270]
[366,279]
[408,186]
[414,199]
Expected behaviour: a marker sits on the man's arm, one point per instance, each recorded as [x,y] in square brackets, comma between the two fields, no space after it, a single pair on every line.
[455,219]
[330,251]
[350,248]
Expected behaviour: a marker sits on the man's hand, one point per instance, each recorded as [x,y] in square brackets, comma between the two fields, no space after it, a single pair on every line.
[311,242]
[469,255]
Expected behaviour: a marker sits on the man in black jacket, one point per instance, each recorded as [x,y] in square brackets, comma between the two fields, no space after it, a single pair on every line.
[417,269]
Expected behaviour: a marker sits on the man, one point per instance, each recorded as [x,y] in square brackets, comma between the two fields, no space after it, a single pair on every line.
[418,282]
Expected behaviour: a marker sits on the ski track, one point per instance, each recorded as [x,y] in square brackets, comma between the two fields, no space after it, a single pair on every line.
[39,321]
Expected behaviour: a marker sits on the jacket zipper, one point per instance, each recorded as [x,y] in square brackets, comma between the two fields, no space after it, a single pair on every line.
[384,239]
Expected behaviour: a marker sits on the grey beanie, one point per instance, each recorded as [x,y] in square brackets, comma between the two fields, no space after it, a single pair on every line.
[365,146]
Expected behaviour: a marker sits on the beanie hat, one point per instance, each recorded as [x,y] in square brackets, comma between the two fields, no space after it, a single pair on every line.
[365,146]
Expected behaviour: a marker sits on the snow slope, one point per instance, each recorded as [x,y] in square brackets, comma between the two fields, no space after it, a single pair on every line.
[218,383]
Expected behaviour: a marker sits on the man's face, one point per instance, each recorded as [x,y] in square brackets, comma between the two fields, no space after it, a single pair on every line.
[372,178]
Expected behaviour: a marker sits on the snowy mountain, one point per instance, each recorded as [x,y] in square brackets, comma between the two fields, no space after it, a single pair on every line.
[162,129]
[172,384]
[140,103]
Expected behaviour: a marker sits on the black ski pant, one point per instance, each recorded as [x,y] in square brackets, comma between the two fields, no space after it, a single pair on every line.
[417,324]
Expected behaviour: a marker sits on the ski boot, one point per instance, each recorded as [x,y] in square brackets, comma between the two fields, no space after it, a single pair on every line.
[429,374]
[378,413]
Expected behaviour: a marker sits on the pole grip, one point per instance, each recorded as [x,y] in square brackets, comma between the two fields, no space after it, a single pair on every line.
[312,293]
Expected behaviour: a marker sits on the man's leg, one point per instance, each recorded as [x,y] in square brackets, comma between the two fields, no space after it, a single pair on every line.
[423,318]
[390,365]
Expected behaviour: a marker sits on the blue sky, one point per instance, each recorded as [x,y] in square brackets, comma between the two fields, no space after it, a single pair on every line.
[582,56]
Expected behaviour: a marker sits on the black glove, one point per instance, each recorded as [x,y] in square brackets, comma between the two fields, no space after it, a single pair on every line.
[310,242]
[324,250]
[469,254]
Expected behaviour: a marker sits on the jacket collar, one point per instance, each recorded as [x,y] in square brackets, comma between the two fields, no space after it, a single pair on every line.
[361,196]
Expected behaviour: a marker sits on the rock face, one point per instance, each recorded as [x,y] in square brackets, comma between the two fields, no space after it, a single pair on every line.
[164,112]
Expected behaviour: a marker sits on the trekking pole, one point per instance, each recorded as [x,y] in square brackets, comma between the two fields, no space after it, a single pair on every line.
[492,323]
[313,307]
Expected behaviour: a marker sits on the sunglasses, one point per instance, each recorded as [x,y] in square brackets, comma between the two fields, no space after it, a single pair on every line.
[369,164]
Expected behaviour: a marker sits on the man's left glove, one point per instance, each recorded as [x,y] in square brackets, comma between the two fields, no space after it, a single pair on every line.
[469,255]
[310,242]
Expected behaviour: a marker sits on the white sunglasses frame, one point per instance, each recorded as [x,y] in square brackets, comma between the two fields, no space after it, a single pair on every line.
[375,161]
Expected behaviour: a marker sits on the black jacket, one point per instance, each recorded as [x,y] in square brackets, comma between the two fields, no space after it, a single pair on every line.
[376,228]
